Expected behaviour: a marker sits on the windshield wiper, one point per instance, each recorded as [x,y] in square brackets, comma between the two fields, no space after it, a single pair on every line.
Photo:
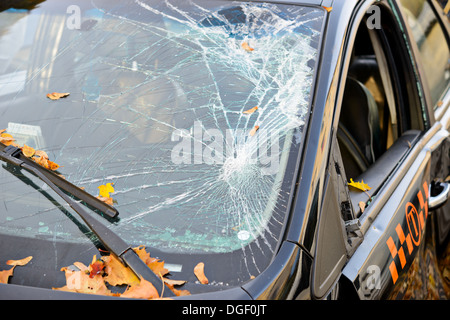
[65,185]
[112,242]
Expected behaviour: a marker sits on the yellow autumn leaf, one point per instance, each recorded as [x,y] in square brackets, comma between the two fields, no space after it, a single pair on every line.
[359,185]
[6,139]
[105,190]
[28,151]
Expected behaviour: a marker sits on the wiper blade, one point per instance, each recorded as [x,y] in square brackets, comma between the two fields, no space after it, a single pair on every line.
[112,242]
[60,182]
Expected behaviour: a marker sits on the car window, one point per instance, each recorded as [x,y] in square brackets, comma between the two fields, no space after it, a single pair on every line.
[190,109]
[432,44]
[380,113]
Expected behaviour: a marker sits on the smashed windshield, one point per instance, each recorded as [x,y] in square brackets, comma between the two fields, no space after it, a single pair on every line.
[189,109]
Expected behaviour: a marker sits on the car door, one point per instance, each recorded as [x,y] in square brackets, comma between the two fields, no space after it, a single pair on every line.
[392,134]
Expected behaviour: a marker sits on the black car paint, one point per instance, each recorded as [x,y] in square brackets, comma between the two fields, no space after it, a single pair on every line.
[291,273]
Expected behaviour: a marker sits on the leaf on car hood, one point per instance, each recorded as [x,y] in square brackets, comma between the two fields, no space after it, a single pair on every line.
[108,272]
[4,275]
[199,272]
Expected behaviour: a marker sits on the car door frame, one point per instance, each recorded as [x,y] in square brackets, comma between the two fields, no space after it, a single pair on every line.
[388,247]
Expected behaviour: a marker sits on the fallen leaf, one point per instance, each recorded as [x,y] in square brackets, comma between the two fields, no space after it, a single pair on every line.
[362,206]
[4,275]
[172,283]
[246,47]
[57,95]
[6,139]
[109,270]
[250,111]
[41,161]
[96,267]
[20,262]
[143,290]
[107,200]
[117,273]
[40,153]
[359,185]
[52,165]
[328,8]
[80,281]
[105,190]
[253,131]
[156,265]
[199,272]
[28,151]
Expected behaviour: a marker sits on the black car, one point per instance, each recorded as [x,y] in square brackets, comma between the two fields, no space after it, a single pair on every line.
[291,149]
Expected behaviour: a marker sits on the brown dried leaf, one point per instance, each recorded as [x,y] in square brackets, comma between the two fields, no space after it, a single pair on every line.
[250,111]
[57,95]
[40,153]
[107,200]
[156,265]
[6,139]
[246,47]
[199,272]
[253,131]
[20,262]
[143,290]
[4,275]
[81,282]
[362,206]
[117,273]
[28,151]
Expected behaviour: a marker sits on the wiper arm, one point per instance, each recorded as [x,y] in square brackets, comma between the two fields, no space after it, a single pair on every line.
[112,242]
[62,183]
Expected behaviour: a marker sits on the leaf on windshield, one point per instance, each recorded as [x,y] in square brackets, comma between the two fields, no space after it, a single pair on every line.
[246,47]
[104,193]
[57,95]
[4,275]
[105,190]
[328,8]
[250,111]
[199,272]
[6,138]
[28,151]
[253,131]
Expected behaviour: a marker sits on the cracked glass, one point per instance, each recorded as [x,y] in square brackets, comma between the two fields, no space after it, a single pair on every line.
[191,109]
